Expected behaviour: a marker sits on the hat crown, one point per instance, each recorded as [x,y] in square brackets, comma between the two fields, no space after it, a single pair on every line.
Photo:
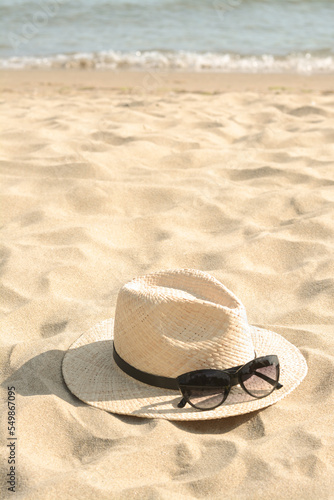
[171,322]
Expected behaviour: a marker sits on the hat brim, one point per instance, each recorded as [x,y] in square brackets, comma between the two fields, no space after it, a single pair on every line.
[92,375]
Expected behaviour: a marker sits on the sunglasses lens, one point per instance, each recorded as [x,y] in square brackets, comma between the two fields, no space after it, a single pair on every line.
[204,389]
[260,377]
[206,399]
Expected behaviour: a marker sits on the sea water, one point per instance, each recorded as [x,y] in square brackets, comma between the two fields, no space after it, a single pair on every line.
[194,35]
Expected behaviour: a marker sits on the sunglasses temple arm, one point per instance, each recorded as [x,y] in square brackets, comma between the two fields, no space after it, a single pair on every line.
[182,403]
[269,380]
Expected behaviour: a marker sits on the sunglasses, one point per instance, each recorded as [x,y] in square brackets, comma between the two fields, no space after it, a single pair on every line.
[208,389]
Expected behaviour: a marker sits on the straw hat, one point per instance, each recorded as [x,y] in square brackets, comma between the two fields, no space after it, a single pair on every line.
[168,323]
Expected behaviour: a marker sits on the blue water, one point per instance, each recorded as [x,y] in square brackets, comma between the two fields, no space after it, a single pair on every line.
[249,35]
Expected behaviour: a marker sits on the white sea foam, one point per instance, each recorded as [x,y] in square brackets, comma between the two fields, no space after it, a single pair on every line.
[181,60]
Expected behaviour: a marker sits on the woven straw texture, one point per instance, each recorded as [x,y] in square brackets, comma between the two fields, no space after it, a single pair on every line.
[169,323]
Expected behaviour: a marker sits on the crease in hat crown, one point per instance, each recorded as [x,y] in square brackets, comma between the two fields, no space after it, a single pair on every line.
[174,321]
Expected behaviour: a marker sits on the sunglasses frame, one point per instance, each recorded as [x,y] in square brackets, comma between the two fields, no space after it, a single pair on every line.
[235,378]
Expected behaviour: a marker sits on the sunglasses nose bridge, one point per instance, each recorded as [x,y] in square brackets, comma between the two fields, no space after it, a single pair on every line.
[234,374]
[234,379]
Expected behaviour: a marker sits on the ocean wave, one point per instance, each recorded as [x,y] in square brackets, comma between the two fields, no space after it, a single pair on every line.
[181,60]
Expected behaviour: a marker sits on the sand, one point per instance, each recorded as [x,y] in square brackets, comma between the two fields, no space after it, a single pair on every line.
[105,177]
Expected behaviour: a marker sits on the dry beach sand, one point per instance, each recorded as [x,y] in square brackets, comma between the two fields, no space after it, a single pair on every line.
[106,177]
